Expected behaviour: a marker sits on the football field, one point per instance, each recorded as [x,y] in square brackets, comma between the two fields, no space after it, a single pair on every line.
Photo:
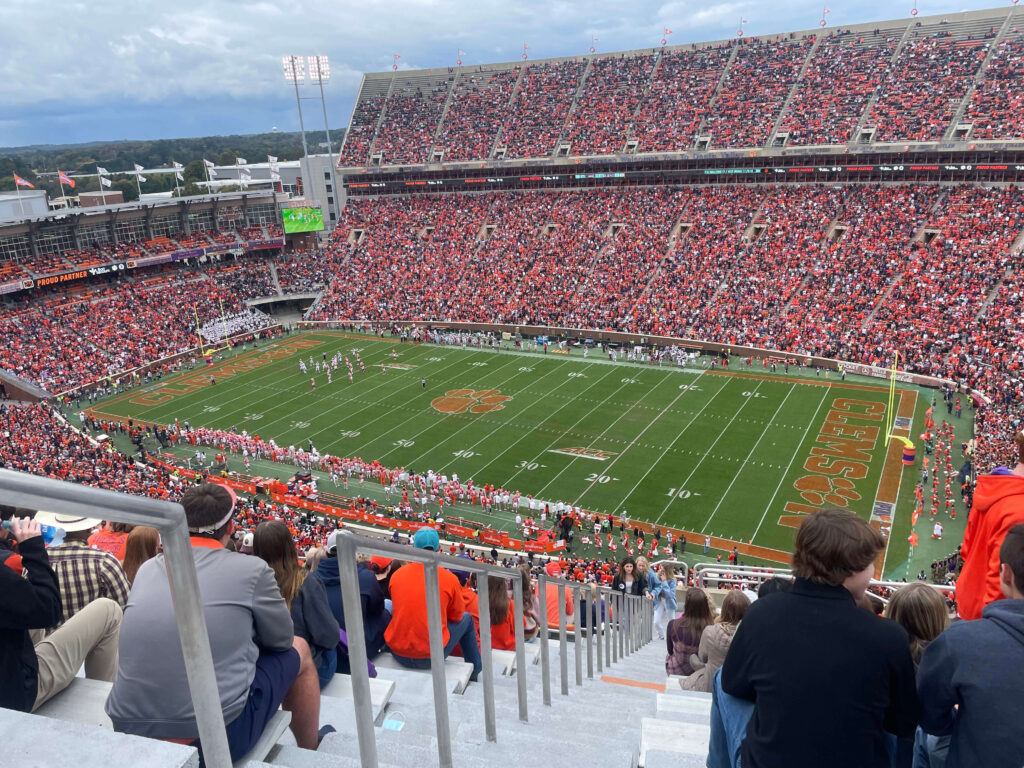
[737,453]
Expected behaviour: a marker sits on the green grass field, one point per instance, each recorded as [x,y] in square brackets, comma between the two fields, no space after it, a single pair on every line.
[738,454]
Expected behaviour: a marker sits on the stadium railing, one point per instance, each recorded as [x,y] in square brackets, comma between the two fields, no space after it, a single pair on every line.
[627,627]
[33,492]
[707,575]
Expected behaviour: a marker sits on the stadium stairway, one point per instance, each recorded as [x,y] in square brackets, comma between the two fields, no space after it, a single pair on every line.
[627,716]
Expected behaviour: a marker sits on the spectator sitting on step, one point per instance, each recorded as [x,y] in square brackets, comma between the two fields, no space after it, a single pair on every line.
[554,570]
[84,574]
[376,616]
[407,634]
[715,641]
[143,544]
[684,634]
[827,680]
[31,674]
[971,675]
[306,598]
[259,663]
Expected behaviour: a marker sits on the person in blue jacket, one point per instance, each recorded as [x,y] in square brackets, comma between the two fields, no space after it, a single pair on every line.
[376,617]
[665,605]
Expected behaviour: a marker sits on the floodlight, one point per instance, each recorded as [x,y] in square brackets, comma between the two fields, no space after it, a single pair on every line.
[319,68]
[294,68]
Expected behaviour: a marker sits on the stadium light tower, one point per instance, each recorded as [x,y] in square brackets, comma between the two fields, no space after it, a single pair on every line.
[295,73]
[320,70]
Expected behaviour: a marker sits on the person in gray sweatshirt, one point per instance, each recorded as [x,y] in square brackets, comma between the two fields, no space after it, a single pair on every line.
[971,677]
[259,663]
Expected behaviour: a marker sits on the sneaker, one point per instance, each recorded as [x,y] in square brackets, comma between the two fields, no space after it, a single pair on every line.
[323,732]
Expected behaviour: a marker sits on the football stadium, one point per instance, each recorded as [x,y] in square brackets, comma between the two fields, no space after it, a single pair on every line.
[623,355]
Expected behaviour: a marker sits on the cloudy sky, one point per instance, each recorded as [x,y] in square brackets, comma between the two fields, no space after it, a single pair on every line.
[81,70]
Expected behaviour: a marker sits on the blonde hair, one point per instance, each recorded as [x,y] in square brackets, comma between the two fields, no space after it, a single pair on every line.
[921,611]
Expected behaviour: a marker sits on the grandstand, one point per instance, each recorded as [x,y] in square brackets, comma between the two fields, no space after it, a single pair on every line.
[826,198]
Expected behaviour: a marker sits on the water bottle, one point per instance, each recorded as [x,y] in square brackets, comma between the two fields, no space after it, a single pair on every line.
[53,535]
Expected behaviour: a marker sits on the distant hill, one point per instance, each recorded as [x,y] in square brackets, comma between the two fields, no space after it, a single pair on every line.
[28,162]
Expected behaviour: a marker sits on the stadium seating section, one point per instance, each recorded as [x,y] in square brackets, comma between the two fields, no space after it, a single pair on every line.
[898,83]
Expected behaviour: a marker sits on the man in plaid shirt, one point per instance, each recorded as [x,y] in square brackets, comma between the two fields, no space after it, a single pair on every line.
[84,574]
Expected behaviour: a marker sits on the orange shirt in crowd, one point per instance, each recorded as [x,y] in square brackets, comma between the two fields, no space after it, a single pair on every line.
[109,541]
[503,636]
[407,633]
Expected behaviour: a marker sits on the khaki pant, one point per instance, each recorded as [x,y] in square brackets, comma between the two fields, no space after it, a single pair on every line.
[89,637]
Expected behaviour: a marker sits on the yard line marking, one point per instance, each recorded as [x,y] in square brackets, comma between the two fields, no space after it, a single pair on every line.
[472,421]
[782,477]
[693,471]
[625,450]
[418,414]
[541,428]
[621,415]
[681,433]
[739,469]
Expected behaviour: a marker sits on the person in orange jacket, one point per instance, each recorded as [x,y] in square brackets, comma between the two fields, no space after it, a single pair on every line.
[998,506]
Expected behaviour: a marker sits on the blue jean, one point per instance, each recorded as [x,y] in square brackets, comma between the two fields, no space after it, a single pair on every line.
[930,751]
[461,633]
[326,665]
[729,718]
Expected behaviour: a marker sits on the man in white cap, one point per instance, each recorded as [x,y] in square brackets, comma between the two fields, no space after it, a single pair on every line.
[84,574]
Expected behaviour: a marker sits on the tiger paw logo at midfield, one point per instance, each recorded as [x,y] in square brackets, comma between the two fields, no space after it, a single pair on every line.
[818,490]
[469,400]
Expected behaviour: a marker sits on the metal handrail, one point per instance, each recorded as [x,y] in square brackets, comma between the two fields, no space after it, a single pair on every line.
[34,492]
[350,543]
[705,572]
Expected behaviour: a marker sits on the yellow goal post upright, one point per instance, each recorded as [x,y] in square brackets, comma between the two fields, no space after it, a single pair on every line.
[891,420]
[208,352]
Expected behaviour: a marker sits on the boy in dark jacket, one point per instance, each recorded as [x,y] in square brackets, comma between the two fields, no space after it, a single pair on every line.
[827,679]
[375,616]
[29,676]
[972,675]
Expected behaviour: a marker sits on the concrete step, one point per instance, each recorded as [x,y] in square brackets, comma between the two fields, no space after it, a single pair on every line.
[30,740]
[381,691]
[683,709]
[457,672]
[669,736]
[81,702]
[657,758]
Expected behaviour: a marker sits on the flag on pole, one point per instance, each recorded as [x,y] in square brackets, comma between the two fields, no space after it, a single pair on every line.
[271,159]
[65,179]
[20,182]
[241,161]
[275,177]
[668,31]
[141,178]
[102,171]
[178,176]
[212,173]
[207,163]
[177,166]
[744,21]
[138,167]
[105,181]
